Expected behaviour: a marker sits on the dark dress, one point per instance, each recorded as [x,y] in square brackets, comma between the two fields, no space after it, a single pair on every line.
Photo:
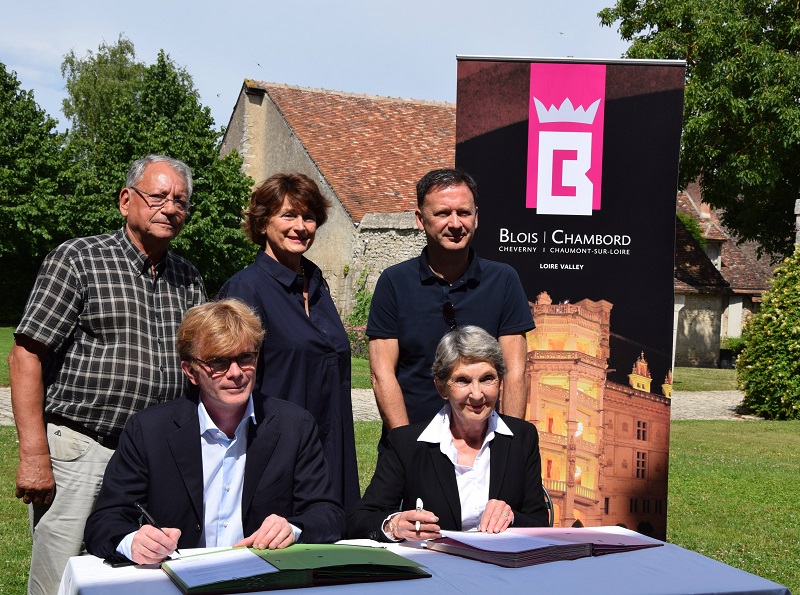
[305,359]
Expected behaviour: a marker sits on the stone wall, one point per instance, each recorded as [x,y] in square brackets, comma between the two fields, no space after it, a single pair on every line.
[385,239]
[797,222]
[698,331]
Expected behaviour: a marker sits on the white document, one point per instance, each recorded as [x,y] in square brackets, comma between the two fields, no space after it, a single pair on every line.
[500,542]
[219,566]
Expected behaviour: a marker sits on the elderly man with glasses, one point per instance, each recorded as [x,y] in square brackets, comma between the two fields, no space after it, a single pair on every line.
[218,468]
[96,344]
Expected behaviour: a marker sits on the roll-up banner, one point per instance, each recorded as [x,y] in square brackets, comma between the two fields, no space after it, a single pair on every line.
[577,165]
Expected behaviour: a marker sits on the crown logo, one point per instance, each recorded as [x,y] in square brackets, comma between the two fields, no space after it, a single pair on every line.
[566,113]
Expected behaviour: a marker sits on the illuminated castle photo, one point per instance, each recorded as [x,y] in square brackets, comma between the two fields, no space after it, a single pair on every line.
[604,445]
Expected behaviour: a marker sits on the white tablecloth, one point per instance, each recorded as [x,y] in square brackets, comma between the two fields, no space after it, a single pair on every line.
[667,570]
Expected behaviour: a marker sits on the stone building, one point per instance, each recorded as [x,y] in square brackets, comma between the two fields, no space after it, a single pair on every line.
[710,311]
[700,295]
[604,446]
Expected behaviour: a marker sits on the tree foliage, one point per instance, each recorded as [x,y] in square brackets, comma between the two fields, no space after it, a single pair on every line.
[741,135]
[159,111]
[768,369]
[98,84]
[29,169]
[693,227]
[30,186]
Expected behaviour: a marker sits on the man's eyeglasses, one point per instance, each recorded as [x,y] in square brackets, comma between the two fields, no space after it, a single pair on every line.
[220,365]
[159,201]
[449,313]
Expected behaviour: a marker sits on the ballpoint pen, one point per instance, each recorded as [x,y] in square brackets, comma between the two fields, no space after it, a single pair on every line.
[419,509]
[151,520]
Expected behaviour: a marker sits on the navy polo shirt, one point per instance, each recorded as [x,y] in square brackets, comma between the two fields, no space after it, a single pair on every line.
[407,306]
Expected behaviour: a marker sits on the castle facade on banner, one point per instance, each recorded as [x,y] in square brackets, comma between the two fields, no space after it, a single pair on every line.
[604,445]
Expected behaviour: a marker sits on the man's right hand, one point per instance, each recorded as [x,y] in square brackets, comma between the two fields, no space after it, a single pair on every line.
[35,481]
[151,545]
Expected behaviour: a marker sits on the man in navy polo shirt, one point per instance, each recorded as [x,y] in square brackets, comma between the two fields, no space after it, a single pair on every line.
[417,301]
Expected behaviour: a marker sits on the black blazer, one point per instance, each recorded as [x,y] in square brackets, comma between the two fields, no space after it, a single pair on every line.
[409,469]
[159,464]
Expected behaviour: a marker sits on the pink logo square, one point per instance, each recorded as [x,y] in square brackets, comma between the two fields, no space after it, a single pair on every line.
[565,138]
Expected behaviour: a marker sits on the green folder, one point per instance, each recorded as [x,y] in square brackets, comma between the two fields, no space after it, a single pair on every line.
[312,565]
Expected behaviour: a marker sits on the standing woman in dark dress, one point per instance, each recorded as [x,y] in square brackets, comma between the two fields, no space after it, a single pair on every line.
[305,357]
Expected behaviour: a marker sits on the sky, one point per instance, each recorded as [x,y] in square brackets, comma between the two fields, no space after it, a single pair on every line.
[396,49]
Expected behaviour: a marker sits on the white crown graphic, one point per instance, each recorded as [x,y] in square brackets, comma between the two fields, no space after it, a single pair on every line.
[566,113]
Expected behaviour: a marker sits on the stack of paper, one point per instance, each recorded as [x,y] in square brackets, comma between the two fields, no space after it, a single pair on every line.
[525,547]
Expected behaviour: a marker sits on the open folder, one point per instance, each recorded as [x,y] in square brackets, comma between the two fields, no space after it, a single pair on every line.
[515,548]
[300,565]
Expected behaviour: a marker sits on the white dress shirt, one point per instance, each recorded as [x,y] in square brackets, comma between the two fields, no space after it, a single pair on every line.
[223,478]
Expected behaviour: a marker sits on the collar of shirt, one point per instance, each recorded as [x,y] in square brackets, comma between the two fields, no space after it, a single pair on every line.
[206,423]
[143,264]
[472,275]
[438,432]
[286,276]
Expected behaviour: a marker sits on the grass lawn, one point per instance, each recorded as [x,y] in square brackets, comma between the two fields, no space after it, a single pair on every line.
[732,496]
[16,550]
[696,379]
[6,341]
[360,373]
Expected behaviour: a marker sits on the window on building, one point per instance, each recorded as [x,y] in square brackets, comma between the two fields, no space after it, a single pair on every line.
[634,505]
[641,430]
[641,464]
[659,506]
[605,506]
[645,506]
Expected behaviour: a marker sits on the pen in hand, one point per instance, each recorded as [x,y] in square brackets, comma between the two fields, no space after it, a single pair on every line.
[419,509]
[151,521]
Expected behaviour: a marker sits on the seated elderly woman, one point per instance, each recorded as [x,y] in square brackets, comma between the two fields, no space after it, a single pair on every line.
[468,468]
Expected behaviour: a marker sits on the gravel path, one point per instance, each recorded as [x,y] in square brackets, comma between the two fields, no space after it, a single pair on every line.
[685,405]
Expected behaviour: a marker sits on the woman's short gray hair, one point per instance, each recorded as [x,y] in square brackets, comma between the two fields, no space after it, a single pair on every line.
[136,171]
[467,344]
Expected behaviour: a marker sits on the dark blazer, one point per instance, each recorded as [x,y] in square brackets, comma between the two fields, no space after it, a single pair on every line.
[409,469]
[159,463]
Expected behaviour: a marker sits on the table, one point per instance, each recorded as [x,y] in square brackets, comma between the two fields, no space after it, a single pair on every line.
[667,570]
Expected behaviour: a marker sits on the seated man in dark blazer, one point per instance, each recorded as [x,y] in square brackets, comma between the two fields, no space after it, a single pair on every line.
[218,468]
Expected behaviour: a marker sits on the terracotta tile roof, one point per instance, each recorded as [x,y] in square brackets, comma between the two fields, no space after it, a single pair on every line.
[694,272]
[741,267]
[371,150]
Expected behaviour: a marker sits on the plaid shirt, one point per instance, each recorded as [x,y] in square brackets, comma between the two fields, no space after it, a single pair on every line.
[111,328]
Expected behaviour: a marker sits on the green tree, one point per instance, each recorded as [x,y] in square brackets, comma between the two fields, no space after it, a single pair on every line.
[741,135]
[162,113]
[98,84]
[768,369]
[30,164]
